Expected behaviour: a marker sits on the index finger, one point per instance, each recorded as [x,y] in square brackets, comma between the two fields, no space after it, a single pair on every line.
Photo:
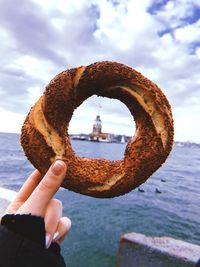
[28,187]
[37,202]
[25,191]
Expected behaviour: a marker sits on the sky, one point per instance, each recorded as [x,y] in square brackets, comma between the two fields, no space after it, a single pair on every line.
[159,38]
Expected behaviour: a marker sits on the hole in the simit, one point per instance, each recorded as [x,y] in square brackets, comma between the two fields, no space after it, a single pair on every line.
[100,128]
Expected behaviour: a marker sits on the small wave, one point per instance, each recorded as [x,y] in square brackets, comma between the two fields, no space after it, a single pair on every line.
[7,194]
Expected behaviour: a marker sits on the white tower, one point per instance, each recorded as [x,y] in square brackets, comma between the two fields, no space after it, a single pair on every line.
[97,126]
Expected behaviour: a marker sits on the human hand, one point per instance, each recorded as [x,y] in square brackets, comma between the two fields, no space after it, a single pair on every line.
[35,198]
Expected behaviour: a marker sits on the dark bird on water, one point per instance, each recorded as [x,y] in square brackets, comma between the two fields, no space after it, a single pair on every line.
[158,191]
[141,190]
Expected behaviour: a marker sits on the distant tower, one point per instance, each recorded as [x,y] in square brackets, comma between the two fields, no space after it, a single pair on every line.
[97,126]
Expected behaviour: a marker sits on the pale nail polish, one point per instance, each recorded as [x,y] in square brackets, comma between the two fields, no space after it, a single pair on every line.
[55,236]
[48,240]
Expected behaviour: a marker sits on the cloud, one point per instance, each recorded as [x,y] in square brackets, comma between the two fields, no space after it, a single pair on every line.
[159,38]
[31,29]
[36,45]
[175,13]
[189,33]
[15,82]
[11,122]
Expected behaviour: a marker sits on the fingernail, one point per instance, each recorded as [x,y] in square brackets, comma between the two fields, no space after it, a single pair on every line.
[48,240]
[55,236]
[58,167]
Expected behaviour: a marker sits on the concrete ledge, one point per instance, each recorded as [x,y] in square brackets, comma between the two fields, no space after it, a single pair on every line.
[3,205]
[6,196]
[137,250]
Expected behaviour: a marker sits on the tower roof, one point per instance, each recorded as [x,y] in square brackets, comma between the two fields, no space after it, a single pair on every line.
[98,118]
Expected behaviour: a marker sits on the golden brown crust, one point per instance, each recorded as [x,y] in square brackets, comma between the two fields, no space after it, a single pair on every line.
[45,131]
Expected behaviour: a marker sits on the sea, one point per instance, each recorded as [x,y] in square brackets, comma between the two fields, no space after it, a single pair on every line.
[98,224]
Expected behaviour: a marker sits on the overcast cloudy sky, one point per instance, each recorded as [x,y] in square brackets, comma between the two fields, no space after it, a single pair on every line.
[159,38]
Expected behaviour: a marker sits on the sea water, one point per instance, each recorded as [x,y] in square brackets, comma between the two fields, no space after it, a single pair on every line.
[97,224]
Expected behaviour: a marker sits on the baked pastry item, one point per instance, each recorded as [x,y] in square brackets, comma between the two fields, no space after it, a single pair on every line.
[45,136]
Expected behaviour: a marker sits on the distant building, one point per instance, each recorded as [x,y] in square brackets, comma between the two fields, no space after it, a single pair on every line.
[97,134]
[97,126]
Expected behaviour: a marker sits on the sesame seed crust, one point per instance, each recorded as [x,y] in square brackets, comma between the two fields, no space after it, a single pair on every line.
[45,136]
